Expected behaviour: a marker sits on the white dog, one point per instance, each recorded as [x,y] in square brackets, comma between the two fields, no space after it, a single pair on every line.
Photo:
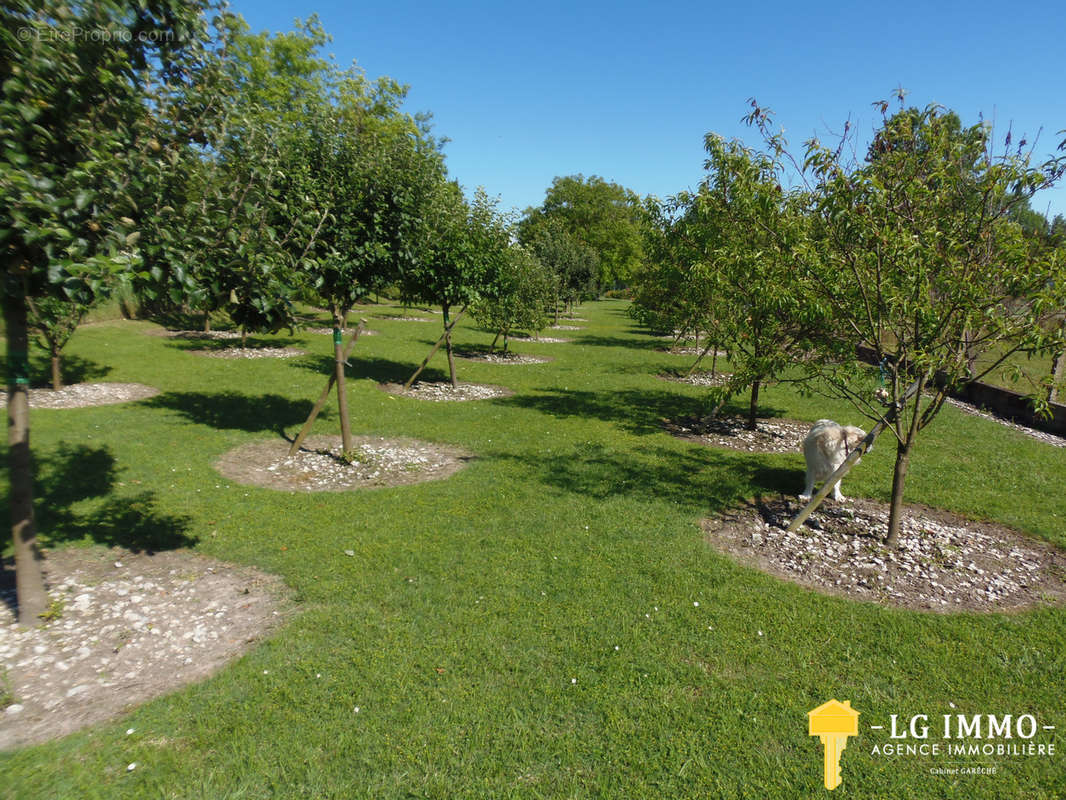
[826,447]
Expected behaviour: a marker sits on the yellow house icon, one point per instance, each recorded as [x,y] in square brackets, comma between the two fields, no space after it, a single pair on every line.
[833,722]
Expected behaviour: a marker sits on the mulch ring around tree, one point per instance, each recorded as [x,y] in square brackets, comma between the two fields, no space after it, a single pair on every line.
[250,352]
[403,318]
[318,467]
[83,395]
[700,378]
[566,327]
[501,357]
[943,563]
[539,339]
[686,350]
[126,628]
[442,392]
[770,435]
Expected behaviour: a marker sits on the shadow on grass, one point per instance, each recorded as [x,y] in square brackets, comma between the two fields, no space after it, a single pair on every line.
[75,370]
[254,341]
[716,479]
[235,411]
[74,501]
[382,370]
[639,411]
[614,341]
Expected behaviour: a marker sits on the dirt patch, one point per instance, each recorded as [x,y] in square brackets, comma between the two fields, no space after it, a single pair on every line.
[503,358]
[128,627]
[83,395]
[318,467]
[250,352]
[770,436]
[943,563]
[701,378]
[442,392]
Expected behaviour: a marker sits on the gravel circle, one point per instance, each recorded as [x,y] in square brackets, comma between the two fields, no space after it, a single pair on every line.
[250,352]
[504,358]
[566,327]
[442,392]
[1043,436]
[681,350]
[770,436]
[347,332]
[943,562]
[83,395]
[317,466]
[129,627]
[701,378]
[400,318]
[539,339]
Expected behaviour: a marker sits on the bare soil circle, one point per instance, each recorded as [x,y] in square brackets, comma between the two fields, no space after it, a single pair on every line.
[127,627]
[443,392]
[318,467]
[769,436]
[943,563]
[84,395]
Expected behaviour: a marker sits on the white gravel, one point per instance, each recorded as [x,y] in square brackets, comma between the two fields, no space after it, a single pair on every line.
[82,395]
[700,378]
[545,339]
[251,352]
[442,392]
[1043,436]
[770,436]
[941,563]
[129,627]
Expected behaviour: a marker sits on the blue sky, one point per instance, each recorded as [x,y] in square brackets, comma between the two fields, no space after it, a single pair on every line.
[627,90]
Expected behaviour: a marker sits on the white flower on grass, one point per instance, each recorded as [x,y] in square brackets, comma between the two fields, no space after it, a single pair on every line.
[131,767]
[356,709]
[760,633]
[129,731]
[696,603]
[573,680]
[616,647]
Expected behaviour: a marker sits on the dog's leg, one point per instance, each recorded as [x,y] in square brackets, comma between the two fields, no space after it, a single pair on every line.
[837,494]
[808,489]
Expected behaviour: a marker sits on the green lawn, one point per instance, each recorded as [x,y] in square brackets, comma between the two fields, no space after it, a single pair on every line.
[529,627]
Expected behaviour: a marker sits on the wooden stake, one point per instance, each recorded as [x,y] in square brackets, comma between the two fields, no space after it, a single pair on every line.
[322,398]
[849,462]
[436,347]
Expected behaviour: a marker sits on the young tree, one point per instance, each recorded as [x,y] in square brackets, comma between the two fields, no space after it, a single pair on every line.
[462,256]
[916,256]
[72,109]
[748,228]
[55,320]
[572,263]
[518,302]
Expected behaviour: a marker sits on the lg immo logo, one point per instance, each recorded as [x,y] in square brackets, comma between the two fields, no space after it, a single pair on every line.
[833,722]
[955,744]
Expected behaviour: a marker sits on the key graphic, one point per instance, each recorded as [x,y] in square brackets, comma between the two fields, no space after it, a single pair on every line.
[833,723]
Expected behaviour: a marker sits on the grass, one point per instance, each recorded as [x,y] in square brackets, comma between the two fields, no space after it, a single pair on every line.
[529,627]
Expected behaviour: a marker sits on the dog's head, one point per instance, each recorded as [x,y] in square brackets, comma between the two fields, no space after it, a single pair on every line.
[852,436]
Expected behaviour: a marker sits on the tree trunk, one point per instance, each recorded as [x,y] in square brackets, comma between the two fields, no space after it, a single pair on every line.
[714,361]
[207,321]
[754,407]
[492,347]
[57,372]
[1058,373]
[340,318]
[448,345]
[506,338]
[29,579]
[899,477]
[244,337]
